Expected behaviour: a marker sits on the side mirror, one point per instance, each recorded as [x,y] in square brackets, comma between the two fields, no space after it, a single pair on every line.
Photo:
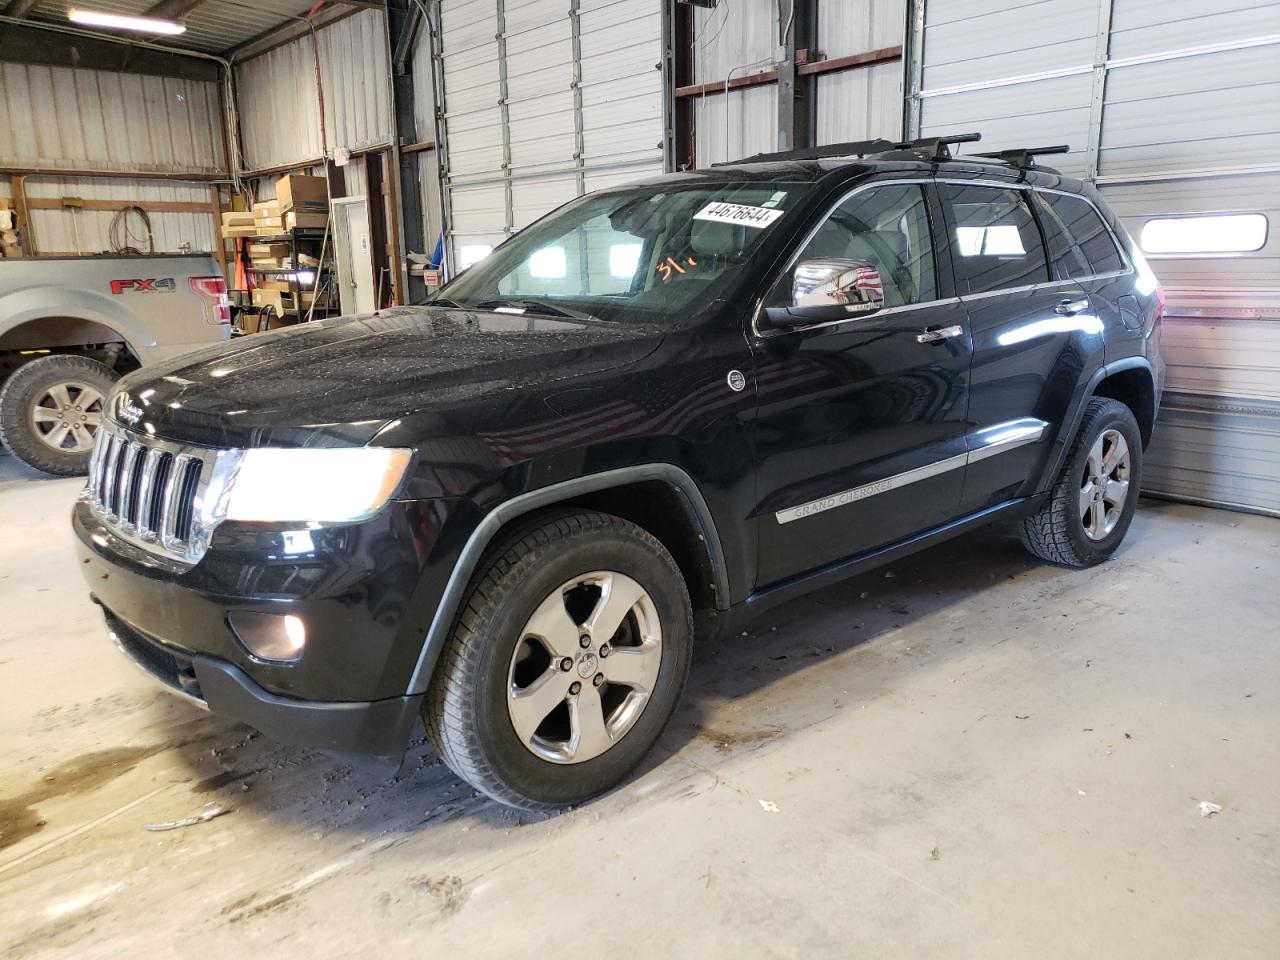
[830,289]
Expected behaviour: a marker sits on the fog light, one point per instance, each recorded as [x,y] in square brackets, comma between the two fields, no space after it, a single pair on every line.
[270,636]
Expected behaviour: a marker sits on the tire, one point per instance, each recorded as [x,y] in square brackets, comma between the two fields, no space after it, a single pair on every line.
[31,421]
[1085,518]
[494,672]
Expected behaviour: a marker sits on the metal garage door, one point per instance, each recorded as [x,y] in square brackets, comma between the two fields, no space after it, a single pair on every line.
[542,100]
[1171,106]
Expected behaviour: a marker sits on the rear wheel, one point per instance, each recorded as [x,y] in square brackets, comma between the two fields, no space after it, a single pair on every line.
[1090,507]
[50,411]
[566,663]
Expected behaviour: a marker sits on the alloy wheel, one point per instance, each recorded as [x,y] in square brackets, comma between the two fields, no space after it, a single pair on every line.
[1105,486]
[585,667]
[67,415]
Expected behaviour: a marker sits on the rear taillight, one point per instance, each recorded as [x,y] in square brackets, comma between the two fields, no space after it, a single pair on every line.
[213,290]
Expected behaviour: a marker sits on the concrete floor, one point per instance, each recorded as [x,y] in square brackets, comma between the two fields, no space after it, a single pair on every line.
[970,756]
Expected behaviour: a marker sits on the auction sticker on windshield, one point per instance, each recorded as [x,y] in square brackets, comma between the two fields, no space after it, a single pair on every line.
[738,213]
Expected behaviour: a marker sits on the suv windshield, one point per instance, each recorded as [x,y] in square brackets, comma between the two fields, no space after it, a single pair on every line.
[647,255]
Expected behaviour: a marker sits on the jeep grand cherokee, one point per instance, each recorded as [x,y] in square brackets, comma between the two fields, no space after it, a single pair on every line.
[645,418]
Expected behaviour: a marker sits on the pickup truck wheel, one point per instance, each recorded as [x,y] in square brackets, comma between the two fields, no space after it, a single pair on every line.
[566,662]
[1092,504]
[50,410]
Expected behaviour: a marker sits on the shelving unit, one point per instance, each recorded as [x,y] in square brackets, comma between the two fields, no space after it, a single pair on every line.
[303,240]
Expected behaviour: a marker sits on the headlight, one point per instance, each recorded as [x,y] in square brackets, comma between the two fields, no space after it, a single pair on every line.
[341,484]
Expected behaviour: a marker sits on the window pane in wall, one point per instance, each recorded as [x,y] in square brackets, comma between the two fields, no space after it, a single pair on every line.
[1215,233]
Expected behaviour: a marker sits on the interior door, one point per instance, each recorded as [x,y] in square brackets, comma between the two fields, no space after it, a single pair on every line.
[860,431]
[353,249]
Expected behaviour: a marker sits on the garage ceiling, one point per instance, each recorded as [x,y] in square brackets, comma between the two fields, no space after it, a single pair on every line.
[213,26]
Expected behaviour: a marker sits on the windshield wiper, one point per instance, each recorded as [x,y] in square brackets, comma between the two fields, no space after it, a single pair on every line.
[533,306]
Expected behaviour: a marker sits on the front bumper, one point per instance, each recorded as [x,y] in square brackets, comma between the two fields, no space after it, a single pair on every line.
[366,592]
[380,727]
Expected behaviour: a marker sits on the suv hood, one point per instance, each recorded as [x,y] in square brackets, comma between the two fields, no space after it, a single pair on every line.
[337,382]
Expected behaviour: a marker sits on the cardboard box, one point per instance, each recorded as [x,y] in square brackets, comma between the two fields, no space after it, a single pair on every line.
[295,188]
[269,251]
[270,298]
[268,208]
[237,218]
[305,221]
[270,226]
[249,231]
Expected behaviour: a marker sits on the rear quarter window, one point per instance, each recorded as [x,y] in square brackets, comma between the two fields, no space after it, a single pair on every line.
[1080,245]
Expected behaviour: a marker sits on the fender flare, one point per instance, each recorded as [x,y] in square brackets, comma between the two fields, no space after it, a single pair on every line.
[46,302]
[494,521]
[1069,431]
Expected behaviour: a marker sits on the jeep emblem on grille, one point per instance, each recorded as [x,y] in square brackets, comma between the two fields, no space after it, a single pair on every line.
[127,411]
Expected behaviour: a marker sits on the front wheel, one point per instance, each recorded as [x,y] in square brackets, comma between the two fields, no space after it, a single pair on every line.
[1090,507]
[566,663]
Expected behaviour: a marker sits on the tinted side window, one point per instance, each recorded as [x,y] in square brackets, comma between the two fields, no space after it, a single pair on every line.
[1087,247]
[995,241]
[888,227]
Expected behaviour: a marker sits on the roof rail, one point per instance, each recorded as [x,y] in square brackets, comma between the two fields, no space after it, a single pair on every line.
[1024,156]
[856,148]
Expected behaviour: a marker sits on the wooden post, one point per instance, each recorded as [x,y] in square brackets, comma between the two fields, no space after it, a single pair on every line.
[26,233]
[219,242]
[393,207]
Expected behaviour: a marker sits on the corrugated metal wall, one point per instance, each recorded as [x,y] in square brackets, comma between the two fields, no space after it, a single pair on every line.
[277,97]
[1172,108]
[544,99]
[867,102]
[70,231]
[745,37]
[73,119]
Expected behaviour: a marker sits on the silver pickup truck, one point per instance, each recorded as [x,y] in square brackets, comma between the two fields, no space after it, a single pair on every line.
[69,327]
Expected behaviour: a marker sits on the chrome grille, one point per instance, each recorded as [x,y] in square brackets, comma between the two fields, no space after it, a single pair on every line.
[158,495]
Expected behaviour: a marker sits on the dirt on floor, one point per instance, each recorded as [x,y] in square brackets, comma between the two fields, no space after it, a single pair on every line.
[969,754]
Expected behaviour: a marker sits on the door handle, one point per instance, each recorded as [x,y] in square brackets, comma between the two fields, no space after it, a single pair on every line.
[937,334]
[1069,308]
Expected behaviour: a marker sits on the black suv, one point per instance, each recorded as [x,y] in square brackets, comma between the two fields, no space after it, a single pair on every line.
[644,418]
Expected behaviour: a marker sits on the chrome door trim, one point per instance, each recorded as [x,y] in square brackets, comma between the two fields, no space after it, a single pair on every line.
[987,442]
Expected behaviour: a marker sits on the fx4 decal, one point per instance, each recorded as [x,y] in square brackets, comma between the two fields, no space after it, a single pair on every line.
[167,284]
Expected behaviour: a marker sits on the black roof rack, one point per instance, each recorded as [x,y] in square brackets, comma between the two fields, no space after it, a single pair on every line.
[1025,156]
[929,149]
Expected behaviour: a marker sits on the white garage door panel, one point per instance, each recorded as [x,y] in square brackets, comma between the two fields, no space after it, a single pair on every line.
[481,207]
[1036,113]
[1146,27]
[1219,110]
[474,141]
[583,96]
[530,199]
[542,133]
[1213,280]
[967,43]
[1217,452]
[1224,357]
